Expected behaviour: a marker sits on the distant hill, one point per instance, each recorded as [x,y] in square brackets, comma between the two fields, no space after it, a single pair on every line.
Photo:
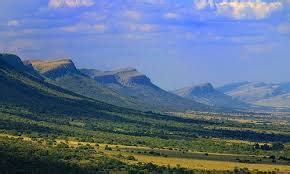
[259,93]
[206,94]
[131,82]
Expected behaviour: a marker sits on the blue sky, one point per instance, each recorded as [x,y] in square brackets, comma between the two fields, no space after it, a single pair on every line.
[176,43]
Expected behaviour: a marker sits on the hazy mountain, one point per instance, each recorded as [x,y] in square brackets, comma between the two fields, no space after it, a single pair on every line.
[131,82]
[206,94]
[259,93]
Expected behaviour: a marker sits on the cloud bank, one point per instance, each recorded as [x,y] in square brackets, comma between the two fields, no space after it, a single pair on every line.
[240,9]
[70,3]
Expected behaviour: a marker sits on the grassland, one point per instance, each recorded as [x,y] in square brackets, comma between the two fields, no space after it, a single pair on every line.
[133,155]
[209,165]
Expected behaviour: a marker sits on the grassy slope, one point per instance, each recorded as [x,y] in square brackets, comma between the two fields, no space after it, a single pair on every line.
[63,73]
[88,87]
[30,106]
[130,82]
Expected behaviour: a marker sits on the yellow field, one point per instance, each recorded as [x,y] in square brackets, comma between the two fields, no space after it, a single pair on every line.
[208,165]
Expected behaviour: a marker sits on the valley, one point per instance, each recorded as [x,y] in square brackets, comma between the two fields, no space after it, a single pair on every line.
[144,87]
[226,153]
[47,121]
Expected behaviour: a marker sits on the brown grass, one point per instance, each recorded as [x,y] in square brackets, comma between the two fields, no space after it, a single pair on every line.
[208,165]
[44,66]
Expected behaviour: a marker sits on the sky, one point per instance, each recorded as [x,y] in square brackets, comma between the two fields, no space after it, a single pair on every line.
[176,43]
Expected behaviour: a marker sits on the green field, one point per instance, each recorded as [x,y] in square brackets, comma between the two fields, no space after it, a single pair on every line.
[133,147]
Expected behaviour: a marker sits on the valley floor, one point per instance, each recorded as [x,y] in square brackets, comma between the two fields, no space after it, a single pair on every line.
[167,157]
[33,141]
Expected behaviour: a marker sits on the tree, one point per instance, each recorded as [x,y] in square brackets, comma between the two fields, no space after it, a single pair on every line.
[278,146]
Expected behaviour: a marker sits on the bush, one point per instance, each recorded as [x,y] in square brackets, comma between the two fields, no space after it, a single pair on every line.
[131,158]
[108,148]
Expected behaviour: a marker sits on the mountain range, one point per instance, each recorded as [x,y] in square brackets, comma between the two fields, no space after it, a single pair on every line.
[259,93]
[130,82]
[63,73]
[126,87]
[206,94]
[132,89]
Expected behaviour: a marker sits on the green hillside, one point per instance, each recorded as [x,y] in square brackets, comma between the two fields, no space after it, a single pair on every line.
[63,73]
[130,89]
[130,82]
[44,128]
[22,89]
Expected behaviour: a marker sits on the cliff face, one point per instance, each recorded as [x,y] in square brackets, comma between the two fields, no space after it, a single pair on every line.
[56,68]
[125,77]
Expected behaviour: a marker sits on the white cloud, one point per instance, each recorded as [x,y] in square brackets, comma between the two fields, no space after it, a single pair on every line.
[70,3]
[202,4]
[95,28]
[171,15]
[132,14]
[92,16]
[142,27]
[247,10]
[13,23]
[240,9]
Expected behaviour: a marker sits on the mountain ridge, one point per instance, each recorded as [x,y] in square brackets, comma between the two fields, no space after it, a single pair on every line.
[205,93]
[260,93]
[64,73]
[54,68]
[131,82]
[16,63]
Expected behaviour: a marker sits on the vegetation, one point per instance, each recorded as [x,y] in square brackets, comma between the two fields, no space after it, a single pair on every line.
[45,128]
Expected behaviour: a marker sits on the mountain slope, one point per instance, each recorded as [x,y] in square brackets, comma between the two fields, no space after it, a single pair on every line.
[24,90]
[206,94]
[275,95]
[15,62]
[132,83]
[64,74]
